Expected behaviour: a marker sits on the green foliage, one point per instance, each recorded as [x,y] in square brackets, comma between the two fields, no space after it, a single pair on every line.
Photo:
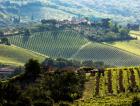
[124,32]
[5,41]
[32,68]
[60,63]
[87,63]
[66,85]
[27,32]
[49,87]
[1,33]
[99,64]
[38,96]
[24,101]
[115,28]
[48,62]
[43,103]
[26,35]
[9,93]
[106,22]
[60,86]
[51,21]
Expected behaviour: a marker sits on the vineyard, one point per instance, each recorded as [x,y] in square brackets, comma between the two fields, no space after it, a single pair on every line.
[109,54]
[71,45]
[116,86]
[52,44]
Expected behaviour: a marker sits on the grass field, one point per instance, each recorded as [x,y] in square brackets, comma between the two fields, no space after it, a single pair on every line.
[135,34]
[132,46]
[13,55]
[71,45]
[112,89]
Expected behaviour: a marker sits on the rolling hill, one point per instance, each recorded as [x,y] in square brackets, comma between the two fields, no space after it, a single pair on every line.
[53,44]
[62,9]
[132,46]
[13,55]
[71,45]
[108,54]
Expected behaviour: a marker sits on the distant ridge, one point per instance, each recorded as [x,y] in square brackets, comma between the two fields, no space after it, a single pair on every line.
[64,9]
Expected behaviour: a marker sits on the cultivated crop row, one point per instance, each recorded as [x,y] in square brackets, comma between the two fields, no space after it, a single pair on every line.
[116,81]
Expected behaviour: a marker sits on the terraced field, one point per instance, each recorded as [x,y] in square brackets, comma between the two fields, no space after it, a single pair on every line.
[13,55]
[71,45]
[116,87]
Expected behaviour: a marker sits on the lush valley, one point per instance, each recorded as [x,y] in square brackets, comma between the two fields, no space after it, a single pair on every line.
[69,53]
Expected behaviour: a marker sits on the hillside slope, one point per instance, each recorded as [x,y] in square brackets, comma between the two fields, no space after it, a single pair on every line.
[53,44]
[61,9]
[71,45]
[108,54]
[13,55]
[111,89]
[132,46]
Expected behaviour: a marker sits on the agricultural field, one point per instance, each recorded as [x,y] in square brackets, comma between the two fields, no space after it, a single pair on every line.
[71,45]
[54,44]
[13,55]
[108,54]
[116,87]
[132,46]
[135,34]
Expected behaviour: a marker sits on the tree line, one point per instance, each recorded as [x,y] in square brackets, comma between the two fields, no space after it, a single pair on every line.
[38,87]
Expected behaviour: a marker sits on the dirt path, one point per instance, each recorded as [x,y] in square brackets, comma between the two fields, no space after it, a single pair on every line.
[82,47]
[89,88]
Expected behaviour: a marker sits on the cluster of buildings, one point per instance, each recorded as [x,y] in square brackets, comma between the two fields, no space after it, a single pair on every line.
[72,21]
[77,21]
